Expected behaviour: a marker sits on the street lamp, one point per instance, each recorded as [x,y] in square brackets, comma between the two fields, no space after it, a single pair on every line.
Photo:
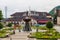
[37,25]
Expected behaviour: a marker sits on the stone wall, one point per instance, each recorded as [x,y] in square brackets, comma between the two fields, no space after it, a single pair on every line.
[58,20]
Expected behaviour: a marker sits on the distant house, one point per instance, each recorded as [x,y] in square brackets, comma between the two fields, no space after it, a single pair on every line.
[58,15]
[55,12]
[36,17]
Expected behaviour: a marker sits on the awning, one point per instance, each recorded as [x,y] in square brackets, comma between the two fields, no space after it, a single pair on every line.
[42,21]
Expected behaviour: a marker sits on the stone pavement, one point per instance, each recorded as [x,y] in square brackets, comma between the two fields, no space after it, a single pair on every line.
[18,36]
[57,29]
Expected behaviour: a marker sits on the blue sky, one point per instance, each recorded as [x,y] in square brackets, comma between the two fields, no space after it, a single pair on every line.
[23,5]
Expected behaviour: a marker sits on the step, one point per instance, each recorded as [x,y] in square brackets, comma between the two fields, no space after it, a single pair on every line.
[19,39]
[5,39]
[19,36]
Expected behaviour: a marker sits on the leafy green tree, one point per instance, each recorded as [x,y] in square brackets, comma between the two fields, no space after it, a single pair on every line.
[49,25]
[1,16]
[1,25]
[9,25]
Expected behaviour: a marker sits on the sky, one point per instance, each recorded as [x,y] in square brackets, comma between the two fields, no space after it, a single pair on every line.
[24,5]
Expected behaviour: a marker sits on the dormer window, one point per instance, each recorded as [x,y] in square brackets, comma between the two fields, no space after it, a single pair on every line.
[24,14]
[44,14]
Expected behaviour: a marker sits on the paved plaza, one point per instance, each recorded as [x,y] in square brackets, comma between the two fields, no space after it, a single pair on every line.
[18,36]
[57,28]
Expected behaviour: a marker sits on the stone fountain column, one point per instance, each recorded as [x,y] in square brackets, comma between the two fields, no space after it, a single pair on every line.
[27,25]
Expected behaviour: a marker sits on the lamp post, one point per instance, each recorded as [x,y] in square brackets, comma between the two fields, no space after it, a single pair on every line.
[37,25]
[14,29]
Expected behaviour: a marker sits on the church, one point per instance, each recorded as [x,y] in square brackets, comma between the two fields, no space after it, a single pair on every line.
[36,17]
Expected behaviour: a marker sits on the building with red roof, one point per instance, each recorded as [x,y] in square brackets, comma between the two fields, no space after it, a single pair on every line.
[36,17]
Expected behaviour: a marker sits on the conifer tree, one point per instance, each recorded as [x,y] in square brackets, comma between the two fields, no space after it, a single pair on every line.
[1,16]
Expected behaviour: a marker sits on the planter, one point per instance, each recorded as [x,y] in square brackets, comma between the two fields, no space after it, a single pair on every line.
[47,39]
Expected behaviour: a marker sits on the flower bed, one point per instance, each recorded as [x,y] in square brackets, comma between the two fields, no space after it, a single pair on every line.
[2,35]
[41,28]
[5,32]
[45,35]
[47,39]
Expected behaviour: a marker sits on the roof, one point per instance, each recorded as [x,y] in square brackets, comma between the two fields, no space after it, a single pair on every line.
[21,13]
[13,19]
[18,13]
[52,12]
[40,17]
[58,7]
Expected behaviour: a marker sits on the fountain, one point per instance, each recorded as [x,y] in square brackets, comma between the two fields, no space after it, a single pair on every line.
[27,25]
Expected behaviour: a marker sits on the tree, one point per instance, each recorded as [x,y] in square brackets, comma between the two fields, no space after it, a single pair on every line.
[1,26]
[1,16]
[9,25]
[49,25]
